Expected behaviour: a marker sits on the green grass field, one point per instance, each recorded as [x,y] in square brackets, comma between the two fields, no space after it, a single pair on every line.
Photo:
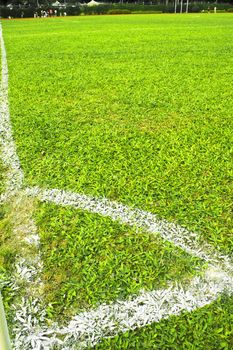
[137,109]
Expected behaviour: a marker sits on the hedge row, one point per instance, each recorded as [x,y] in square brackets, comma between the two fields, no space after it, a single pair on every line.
[6,12]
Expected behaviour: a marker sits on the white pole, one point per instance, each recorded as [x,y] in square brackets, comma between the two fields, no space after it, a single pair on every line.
[175,6]
[187,6]
[181,6]
[4,334]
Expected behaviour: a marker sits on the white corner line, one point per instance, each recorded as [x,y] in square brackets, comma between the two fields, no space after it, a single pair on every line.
[87,328]
[179,236]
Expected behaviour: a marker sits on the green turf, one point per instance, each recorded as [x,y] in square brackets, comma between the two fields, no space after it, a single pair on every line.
[88,260]
[137,109]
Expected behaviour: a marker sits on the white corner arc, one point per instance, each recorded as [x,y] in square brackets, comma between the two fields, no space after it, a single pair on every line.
[87,328]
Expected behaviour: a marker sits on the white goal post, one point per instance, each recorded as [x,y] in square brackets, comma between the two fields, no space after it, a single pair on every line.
[5,343]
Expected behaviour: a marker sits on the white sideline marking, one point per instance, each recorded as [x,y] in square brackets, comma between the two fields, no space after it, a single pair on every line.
[179,236]
[27,270]
[89,327]
[10,158]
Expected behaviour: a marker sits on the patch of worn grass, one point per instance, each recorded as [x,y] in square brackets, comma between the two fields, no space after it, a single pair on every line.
[15,226]
[7,247]
[14,215]
[8,251]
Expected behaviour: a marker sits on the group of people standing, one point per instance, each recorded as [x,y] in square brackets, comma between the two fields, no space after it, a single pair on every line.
[49,13]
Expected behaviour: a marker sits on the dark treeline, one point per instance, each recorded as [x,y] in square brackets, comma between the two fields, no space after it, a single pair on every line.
[41,8]
[34,3]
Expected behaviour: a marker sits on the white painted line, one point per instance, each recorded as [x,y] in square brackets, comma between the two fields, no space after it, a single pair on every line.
[88,328]
[9,156]
[179,236]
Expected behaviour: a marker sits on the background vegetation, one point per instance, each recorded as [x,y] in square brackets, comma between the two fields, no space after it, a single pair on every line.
[28,8]
[137,109]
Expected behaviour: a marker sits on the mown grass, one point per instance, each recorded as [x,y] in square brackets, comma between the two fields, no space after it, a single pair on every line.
[137,109]
[88,260]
